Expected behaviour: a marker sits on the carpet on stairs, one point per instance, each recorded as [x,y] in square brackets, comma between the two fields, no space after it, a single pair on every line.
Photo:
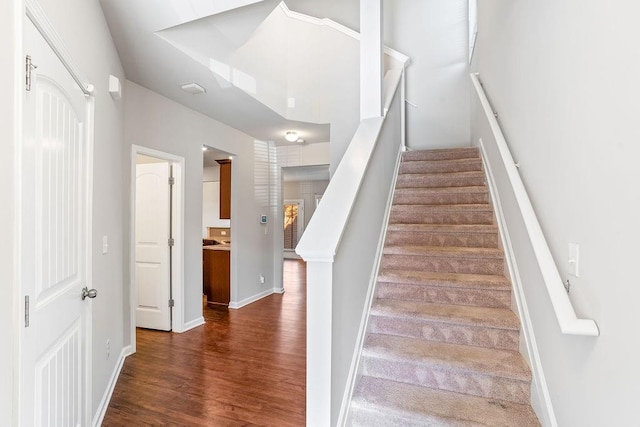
[442,344]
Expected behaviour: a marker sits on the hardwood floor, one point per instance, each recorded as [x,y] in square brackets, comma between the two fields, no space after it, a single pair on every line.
[243,367]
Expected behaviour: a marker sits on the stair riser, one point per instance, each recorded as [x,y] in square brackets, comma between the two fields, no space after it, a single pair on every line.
[361,417]
[444,378]
[439,180]
[431,198]
[446,332]
[468,240]
[441,166]
[444,264]
[439,295]
[467,153]
[400,216]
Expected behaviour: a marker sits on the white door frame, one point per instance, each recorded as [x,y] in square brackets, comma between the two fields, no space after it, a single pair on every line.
[177,260]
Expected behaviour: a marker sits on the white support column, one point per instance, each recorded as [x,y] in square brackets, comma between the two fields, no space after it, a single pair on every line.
[370,59]
[319,315]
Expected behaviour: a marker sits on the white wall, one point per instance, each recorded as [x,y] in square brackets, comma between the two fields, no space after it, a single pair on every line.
[304,155]
[82,26]
[433,33]
[563,77]
[9,77]
[154,121]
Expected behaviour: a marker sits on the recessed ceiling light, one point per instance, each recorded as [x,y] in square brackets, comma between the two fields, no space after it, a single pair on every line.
[291,136]
[204,148]
[193,88]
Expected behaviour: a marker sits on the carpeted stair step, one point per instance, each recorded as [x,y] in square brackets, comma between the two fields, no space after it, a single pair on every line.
[438,166]
[441,154]
[444,259]
[441,196]
[478,371]
[446,288]
[441,214]
[451,179]
[379,402]
[458,324]
[476,236]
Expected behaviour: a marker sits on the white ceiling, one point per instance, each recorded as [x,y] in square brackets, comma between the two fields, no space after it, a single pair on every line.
[239,51]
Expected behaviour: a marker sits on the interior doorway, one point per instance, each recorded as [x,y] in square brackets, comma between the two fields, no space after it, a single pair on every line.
[302,188]
[156,241]
[217,233]
[153,242]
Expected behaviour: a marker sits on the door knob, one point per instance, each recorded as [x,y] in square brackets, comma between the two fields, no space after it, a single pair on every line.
[91,293]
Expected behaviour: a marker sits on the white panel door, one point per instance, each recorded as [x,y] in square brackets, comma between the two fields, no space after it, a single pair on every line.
[54,249]
[152,247]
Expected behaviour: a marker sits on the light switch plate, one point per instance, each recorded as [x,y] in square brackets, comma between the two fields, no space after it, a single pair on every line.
[574,259]
[105,244]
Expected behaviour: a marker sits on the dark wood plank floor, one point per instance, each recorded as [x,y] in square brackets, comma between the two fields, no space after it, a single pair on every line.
[243,367]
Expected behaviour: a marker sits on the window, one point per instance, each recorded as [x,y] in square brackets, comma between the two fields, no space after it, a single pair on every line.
[473,26]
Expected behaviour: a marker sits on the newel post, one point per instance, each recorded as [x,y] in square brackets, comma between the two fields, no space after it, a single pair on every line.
[319,324]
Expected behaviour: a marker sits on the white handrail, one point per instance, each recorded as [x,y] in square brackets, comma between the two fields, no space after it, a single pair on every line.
[321,239]
[569,323]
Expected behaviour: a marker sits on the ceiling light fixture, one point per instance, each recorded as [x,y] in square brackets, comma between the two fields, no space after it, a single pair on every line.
[193,88]
[204,148]
[291,136]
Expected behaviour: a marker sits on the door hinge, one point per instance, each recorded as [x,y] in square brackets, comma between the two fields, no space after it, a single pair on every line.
[172,303]
[172,180]
[26,311]
[171,242]
[28,67]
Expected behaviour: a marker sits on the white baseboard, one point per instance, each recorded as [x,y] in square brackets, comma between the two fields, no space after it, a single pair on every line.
[278,291]
[106,398]
[541,398]
[247,301]
[192,324]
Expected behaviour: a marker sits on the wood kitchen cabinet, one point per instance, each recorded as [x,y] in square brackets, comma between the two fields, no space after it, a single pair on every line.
[216,274]
[225,188]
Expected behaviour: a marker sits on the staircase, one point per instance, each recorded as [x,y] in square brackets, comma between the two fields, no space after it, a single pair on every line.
[442,345]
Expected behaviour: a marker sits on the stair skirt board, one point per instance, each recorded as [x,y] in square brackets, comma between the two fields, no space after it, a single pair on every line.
[440,342]
[353,376]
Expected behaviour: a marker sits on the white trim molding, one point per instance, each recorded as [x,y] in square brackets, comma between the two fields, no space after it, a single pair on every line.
[239,304]
[539,386]
[354,371]
[192,324]
[106,398]
[568,321]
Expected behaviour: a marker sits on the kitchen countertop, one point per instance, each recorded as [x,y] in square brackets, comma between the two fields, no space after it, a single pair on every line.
[221,247]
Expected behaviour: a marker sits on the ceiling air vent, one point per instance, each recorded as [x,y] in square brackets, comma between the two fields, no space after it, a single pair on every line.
[193,88]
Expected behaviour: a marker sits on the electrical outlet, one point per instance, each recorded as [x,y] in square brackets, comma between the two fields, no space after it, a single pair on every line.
[261,279]
[108,349]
